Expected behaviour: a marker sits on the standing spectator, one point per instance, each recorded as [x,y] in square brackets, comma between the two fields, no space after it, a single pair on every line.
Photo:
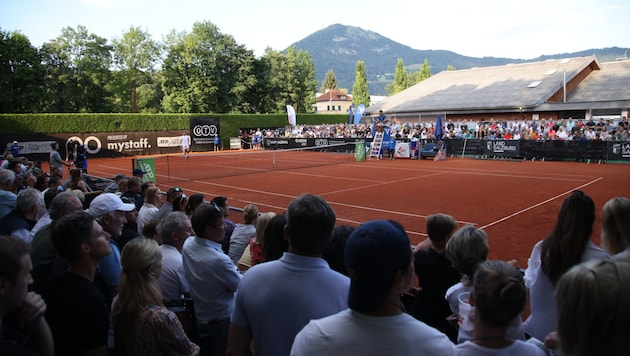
[109,210]
[8,199]
[150,208]
[142,324]
[379,260]
[71,149]
[19,222]
[185,144]
[138,172]
[174,229]
[291,291]
[615,232]
[55,161]
[466,250]
[211,274]
[30,335]
[222,203]
[130,228]
[134,190]
[193,202]
[334,251]
[243,233]
[435,275]
[77,311]
[593,309]
[274,245]
[43,253]
[498,297]
[15,149]
[252,255]
[567,245]
[172,194]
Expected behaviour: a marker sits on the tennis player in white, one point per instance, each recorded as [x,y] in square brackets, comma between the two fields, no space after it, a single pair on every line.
[185,143]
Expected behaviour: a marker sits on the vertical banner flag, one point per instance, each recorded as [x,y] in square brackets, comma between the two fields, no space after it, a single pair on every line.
[439,130]
[291,114]
[351,114]
[148,166]
[358,113]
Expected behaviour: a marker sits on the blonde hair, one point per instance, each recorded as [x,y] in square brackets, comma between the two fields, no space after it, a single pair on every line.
[137,287]
[593,308]
[467,249]
[151,196]
[615,232]
[261,224]
[250,212]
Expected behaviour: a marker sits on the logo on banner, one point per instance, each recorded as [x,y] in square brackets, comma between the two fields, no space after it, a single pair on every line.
[205,130]
[92,144]
[321,142]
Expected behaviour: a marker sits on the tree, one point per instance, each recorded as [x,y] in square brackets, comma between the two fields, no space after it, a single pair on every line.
[424,72]
[450,68]
[302,80]
[330,81]
[78,77]
[135,54]
[21,74]
[360,92]
[207,71]
[401,79]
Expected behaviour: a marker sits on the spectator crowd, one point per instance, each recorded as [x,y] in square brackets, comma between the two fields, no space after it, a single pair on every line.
[135,271]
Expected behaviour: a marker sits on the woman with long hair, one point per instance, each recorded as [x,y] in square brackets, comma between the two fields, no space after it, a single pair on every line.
[615,231]
[142,325]
[568,244]
[76,181]
[150,207]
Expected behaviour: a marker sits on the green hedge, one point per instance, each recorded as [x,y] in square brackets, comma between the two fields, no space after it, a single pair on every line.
[84,123]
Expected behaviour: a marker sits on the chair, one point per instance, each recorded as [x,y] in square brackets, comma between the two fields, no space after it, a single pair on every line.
[185,311]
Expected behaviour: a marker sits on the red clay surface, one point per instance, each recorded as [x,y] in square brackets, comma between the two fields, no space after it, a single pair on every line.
[516,203]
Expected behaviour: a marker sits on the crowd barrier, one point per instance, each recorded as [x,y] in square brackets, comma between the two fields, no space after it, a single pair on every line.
[588,150]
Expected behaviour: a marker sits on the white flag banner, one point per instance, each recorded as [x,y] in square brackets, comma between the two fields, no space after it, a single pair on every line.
[291,114]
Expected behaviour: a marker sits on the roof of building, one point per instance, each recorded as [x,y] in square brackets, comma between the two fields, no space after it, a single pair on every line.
[513,87]
[334,95]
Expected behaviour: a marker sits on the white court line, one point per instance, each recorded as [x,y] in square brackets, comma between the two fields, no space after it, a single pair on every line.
[539,204]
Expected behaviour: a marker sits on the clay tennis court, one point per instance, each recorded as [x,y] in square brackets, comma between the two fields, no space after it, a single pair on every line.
[516,203]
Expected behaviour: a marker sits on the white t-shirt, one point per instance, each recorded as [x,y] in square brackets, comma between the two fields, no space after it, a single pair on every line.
[352,333]
[517,348]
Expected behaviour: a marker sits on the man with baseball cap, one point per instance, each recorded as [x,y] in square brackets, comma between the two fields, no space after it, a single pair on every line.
[379,260]
[137,172]
[109,210]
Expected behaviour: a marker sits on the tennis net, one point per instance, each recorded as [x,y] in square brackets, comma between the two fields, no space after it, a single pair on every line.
[175,168]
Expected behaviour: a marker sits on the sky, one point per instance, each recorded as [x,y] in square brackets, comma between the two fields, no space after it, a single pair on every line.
[483,28]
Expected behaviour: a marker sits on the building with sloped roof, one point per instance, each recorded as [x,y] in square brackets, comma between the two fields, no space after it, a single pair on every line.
[333,101]
[578,87]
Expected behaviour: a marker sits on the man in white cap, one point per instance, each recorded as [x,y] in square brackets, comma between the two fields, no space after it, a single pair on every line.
[109,210]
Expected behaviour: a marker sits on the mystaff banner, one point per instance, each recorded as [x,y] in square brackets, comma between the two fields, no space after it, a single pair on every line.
[203,130]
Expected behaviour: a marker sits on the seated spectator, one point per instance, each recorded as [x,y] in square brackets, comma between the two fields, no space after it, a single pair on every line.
[142,325]
[498,298]
[130,228]
[243,233]
[334,252]
[150,208]
[568,244]
[77,311]
[593,309]
[29,334]
[113,187]
[19,222]
[179,204]
[134,190]
[379,259]
[274,244]
[435,275]
[172,194]
[149,231]
[174,229]
[615,232]
[76,181]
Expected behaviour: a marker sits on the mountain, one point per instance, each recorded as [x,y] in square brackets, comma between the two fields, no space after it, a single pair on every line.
[339,47]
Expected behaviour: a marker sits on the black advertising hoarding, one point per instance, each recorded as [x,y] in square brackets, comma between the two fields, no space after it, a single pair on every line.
[502,148]
[203,131]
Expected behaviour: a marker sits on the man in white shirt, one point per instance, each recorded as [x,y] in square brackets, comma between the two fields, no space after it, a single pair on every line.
[185,144]
[379,260]
[173,229]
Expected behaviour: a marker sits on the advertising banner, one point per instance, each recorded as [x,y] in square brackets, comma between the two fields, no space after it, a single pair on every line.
[203,130]
[619,151]
[502,148]
[148,166]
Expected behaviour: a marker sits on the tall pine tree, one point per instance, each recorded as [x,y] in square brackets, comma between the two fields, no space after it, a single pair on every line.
[360,92]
